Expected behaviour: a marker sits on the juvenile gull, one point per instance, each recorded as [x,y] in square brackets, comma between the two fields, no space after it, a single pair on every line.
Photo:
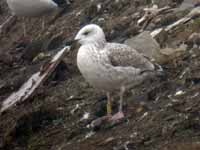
[110,66]
[33,8]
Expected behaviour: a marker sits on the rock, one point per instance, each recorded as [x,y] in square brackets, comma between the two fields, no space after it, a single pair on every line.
[144,43]
[194,12]
[170,51]
[170,54]
[186,4]
[194,39]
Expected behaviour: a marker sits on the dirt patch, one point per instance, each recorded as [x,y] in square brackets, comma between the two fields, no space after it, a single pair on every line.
[161,114]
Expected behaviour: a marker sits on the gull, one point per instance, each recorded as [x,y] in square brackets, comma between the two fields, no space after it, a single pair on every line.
[111,66]
[33,8]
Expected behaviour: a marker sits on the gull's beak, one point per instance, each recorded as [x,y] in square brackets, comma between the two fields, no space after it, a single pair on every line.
[75,41]
[78,37]
[71,42]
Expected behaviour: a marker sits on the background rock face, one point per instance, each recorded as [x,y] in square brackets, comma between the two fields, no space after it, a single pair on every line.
[144,43]
[161,114]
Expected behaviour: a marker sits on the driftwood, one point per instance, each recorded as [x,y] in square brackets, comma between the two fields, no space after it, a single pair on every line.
[28,88]
[195,12]
[151,13]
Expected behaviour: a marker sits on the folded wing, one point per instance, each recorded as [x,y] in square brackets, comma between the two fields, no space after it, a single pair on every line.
[121,55]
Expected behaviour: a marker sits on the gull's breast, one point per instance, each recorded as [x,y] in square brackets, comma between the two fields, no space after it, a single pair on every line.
[92,65]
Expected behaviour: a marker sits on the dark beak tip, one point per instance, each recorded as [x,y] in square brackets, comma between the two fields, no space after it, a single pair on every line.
[71,42]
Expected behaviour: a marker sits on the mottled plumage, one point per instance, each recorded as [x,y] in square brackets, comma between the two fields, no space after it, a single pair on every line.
[110,66]
[123,55]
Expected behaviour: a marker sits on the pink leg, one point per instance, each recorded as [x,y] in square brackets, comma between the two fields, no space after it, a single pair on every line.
[104,119]
[119,115]
[116,118]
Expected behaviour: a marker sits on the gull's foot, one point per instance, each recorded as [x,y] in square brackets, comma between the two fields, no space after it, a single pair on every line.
[117,118]
[98,122]
[108,121]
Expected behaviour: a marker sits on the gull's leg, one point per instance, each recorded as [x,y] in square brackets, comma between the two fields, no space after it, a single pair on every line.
[119,115]
[24,26]
[43,22]
[103,119]
[109,104]
[122,90]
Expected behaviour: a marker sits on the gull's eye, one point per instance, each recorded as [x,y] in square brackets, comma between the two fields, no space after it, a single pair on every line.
[86,32]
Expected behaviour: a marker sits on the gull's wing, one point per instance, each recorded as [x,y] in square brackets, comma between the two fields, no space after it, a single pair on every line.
[124,56]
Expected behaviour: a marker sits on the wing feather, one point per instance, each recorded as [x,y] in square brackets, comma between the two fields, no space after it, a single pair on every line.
[124,56]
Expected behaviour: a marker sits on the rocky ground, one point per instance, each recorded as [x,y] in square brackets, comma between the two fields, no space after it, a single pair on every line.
[161,114]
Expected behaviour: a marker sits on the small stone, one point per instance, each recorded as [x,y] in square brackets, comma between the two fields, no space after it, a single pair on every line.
[178,93]
[194,39]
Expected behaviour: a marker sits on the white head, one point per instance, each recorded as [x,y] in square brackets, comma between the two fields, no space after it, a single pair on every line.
[91,34]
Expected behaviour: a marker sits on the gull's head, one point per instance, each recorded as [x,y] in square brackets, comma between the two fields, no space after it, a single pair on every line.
[90,34]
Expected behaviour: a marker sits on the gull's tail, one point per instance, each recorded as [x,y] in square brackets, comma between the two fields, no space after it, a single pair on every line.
[159,70]
[158,67]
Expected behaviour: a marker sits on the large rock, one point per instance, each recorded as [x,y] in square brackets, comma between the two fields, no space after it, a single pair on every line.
[187,4]
[144,43]
[147,45]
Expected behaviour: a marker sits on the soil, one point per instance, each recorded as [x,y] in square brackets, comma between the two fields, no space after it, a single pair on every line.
[161,114]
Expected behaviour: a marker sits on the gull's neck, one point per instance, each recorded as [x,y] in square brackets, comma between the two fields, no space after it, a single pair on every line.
[99,45]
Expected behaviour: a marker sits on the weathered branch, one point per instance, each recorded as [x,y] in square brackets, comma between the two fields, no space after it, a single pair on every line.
[195,12]
[29,87]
